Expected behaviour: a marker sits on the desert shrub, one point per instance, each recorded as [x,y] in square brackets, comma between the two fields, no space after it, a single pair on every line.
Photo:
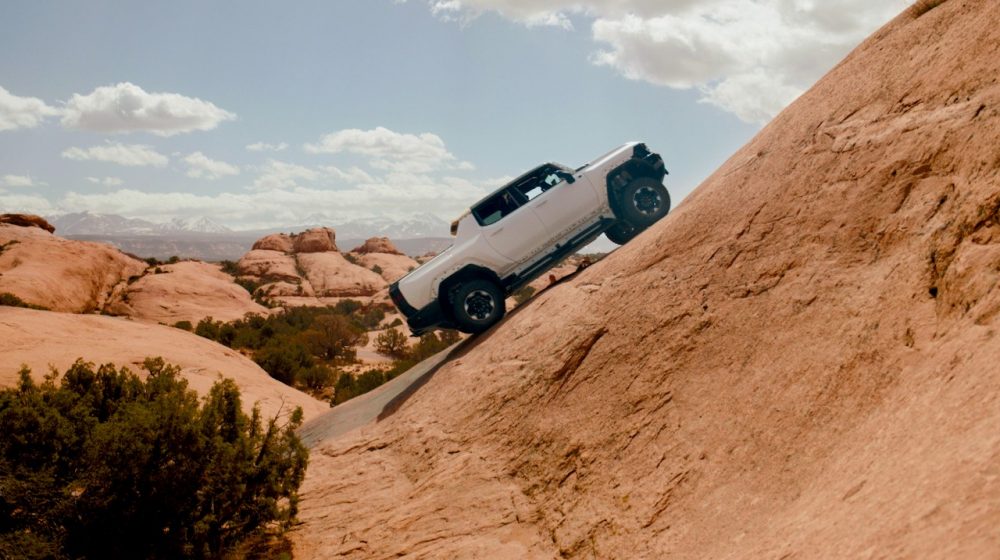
[370,317]
[152,261]
[352,259]
[317,377]
[230,268]
[344,390]
[347,306]
[333,338]
[391,342]
[524,294]
[208,328]
[101,464]
[174,260]
[377,269]
[184,325]
[11,300]
[248,284]
[396,322]
[283,360]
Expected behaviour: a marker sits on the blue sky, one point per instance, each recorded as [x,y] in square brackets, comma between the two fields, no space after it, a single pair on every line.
[356,108]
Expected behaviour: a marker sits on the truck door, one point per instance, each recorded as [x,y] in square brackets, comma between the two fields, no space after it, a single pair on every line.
[564,206]
[512,229]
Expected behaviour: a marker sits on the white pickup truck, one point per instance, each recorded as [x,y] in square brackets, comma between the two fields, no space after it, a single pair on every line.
[526,227]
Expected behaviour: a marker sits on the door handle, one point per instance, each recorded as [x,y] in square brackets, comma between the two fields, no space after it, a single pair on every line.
[497,232]
[542,203]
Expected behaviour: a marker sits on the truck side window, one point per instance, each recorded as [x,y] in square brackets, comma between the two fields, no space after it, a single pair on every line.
[495,208]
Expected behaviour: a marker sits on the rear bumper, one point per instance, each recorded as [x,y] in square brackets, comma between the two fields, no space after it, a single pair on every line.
[419,320]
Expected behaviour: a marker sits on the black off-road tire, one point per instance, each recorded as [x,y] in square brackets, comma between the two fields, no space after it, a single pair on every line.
[621,233]
[643,202]
[477,305]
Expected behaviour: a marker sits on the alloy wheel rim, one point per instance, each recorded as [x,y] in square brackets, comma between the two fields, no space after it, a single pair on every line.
[479,305]
[647,201]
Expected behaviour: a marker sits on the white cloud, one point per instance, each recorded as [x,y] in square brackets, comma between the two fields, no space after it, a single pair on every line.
[132,155]
[394,197]
[22,112]
[748,57]
[389,150]
[276,175]
[126,107]
[24,204]
[265,147]
[350,175]
[106,181]
[201,166]
[15,181]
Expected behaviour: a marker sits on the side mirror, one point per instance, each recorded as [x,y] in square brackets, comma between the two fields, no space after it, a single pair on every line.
[568,177]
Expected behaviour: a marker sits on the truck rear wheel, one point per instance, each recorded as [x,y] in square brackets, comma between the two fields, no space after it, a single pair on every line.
[643,202]
[477,305]
[621,233]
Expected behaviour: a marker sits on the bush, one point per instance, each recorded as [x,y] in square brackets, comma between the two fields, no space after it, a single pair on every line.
[230,268]
[333,338]
[377,269]
[174,260]
[102,464]
[391,342]
[317,378]
[184,325]
[283,360]
[248,284]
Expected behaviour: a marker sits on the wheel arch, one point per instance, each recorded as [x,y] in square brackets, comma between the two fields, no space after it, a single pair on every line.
[464,274]
[642,164]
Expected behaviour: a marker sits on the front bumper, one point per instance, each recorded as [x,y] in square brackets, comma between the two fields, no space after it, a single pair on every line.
[419,320]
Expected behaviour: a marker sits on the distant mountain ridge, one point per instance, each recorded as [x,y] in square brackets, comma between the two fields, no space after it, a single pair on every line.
[87,223]
[202,238]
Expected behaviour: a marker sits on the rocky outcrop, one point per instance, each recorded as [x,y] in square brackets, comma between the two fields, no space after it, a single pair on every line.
[331,275]
[41,339]
[389,266]
[377,245]
[318,240]
[276,242]
[61,274]
[186,291]
[800,359]
[27,220]
[268,266]
[304,268]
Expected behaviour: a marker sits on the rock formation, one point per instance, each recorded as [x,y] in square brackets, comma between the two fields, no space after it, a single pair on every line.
[378,254]
[304,267]
[27,220]
[61,274]
[41,339]
[799,361]
[186,291]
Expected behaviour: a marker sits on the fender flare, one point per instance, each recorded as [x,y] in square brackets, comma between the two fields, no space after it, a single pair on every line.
[464,274]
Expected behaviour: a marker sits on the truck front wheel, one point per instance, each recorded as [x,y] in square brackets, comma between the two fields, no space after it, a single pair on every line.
[477,305]
[643,202]
[621,233]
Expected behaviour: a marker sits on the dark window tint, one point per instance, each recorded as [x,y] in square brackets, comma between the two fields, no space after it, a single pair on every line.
[496,208]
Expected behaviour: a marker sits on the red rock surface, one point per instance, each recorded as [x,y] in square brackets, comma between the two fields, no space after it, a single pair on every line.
[27,220]
[276,242]
[798,362]
[186,291]
[61,274]
[41,339]
[377,245]
[317,240]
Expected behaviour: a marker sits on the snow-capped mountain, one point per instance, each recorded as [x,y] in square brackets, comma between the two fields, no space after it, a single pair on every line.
[87,223]
[197,224]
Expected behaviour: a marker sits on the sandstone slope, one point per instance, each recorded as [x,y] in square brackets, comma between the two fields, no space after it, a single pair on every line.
[42,338]
[381,256]
[186,291]
[798,362]
[61,274]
